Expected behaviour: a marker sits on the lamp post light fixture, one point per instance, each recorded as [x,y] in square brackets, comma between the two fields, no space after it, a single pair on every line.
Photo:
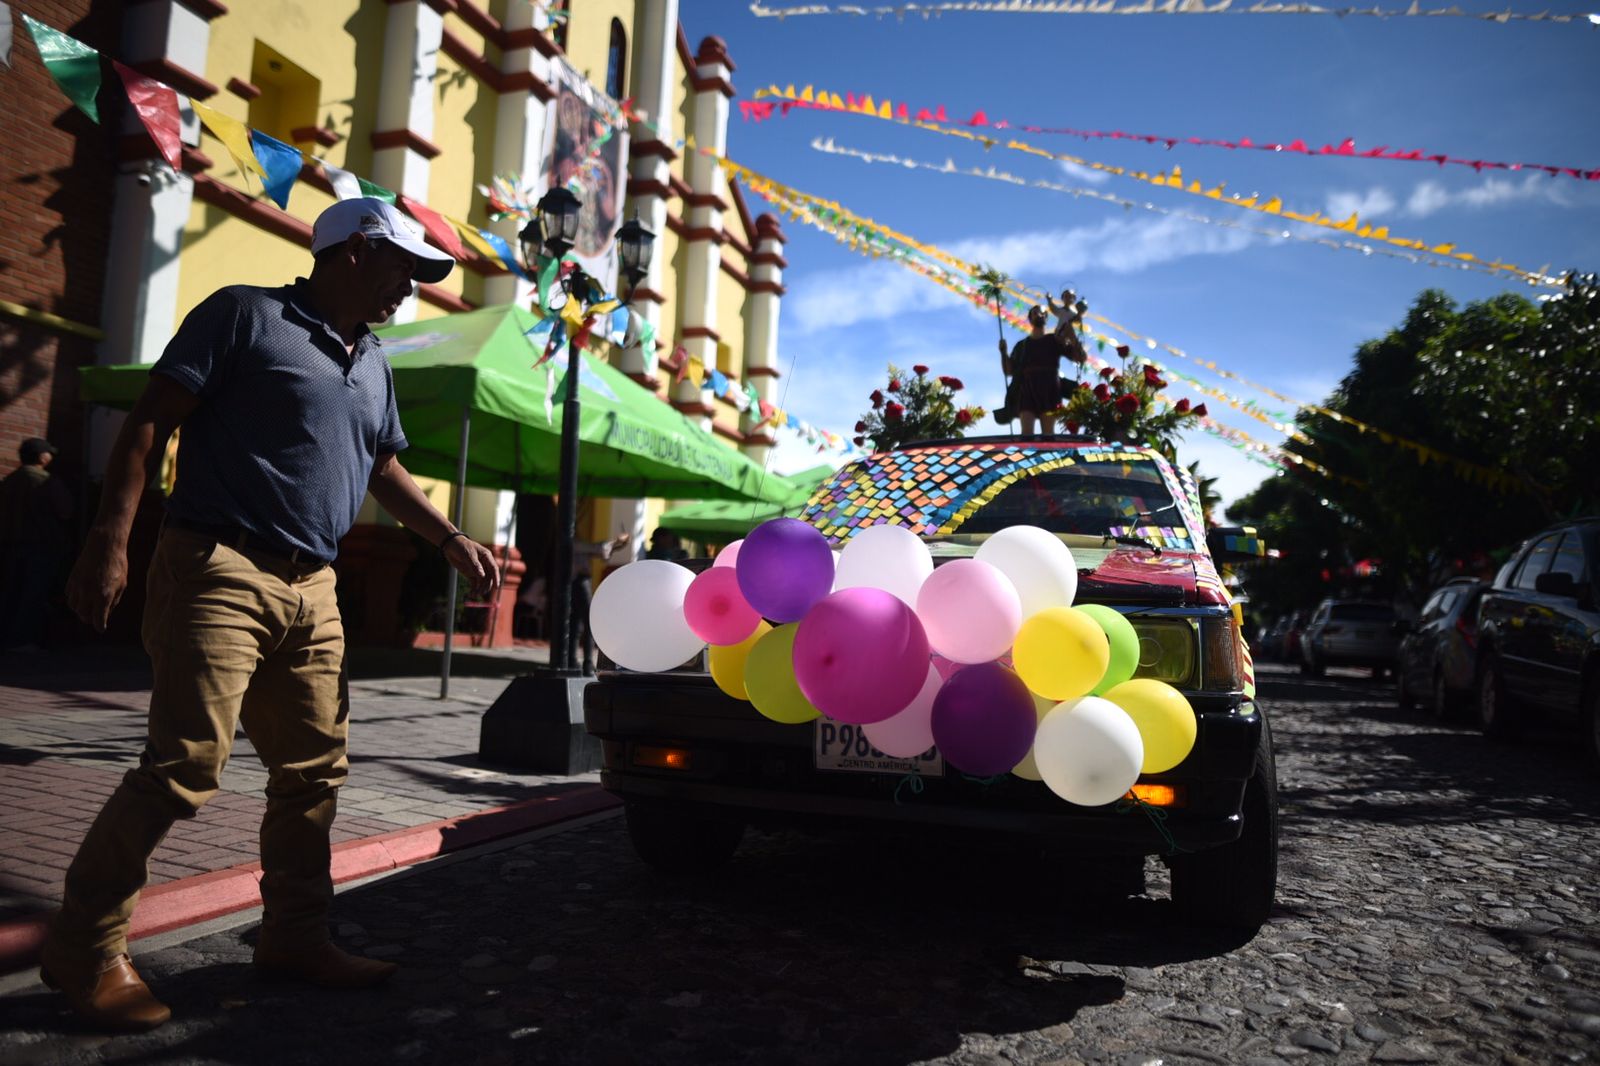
[635,246]
[537,722]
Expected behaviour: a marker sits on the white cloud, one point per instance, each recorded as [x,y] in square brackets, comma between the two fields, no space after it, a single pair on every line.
[1373,203]
[882,290]
[860,294]
[1079,172]
[1430,197]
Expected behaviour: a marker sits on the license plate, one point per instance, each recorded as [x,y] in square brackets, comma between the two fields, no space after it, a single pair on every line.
[841,746]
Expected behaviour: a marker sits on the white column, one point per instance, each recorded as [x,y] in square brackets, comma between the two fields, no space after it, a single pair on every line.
[519,134]
[761,327]
[400,157]
[655,36]
[703,209]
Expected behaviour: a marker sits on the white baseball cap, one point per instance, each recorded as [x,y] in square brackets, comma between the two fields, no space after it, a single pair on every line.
[379,221]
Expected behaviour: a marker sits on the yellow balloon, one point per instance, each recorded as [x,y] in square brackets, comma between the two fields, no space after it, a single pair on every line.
[1027,768]
[728,662]
[1061,653]
[1166,721]
[769,677]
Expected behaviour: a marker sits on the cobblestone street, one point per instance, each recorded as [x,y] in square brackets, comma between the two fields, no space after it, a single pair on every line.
[1438,902]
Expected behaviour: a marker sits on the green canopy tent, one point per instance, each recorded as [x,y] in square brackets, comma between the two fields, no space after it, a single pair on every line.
[477,411]
[726,520]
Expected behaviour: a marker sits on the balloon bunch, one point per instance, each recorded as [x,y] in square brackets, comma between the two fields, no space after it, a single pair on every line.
[985,657]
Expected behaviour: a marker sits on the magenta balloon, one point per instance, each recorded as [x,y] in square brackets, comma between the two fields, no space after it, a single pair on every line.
[984,720]
[784,567]
[715,608]
[860,655]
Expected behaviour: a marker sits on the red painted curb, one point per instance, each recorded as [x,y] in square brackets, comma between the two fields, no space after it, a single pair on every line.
[175,904]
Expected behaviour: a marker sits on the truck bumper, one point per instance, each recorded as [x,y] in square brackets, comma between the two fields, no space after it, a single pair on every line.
[764,772]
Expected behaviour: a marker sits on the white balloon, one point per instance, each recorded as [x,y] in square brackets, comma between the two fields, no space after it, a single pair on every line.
[1038,564]
[885,557]
[637,616]
[1088,751]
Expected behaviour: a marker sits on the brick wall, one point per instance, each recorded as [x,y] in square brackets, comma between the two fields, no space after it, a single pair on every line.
[55,217]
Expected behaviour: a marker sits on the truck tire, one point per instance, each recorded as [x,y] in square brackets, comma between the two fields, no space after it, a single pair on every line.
[682,839]
[1234,885]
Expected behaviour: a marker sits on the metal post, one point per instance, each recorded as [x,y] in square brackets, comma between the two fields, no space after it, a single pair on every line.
[563,656]
[450,595]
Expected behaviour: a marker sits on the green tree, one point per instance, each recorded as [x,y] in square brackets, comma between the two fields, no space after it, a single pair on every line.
[1503,398]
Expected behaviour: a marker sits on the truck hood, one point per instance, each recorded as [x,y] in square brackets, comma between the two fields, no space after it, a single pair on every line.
[1141,576]
[1130,574]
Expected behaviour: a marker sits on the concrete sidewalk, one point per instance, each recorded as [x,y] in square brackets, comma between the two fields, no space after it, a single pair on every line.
[72,721]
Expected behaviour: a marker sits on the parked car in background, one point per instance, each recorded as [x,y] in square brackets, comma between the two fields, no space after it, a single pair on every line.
[1438,655]
[1281,641]
[1350,633]
[1539,633]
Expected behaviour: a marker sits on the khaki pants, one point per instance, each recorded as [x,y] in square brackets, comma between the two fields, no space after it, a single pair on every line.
[233,638]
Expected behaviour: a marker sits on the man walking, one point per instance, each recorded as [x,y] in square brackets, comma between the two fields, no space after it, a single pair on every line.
[288,414]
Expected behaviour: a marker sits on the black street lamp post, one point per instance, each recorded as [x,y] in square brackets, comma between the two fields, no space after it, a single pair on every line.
[537,722]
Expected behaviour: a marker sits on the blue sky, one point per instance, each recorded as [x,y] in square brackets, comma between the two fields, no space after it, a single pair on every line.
[1283,313]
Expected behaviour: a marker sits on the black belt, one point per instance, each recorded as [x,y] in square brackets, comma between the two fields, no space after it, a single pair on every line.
[241,539]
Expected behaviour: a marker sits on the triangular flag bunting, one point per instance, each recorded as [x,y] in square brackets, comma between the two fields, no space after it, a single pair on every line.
[346,186]
[155,104]
[74,65]
[282,163]
[233,134]
[440,230]
[376,191]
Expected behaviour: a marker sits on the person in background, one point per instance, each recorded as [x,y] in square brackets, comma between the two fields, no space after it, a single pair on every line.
[35,512]
[584,552]
[289,420]
[1034,367]
[665,544]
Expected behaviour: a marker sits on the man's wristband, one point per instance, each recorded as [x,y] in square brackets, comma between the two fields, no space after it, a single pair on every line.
[448,537]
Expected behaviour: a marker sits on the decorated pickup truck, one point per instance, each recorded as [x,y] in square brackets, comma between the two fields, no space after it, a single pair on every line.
[1026,639]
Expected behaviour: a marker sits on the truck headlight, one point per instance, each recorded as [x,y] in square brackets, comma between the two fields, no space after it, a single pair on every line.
[1166,649]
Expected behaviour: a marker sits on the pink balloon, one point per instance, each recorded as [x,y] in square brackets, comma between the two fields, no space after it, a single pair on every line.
[910,732]
[715,608]
[860,655]
[728,555]
[970,610]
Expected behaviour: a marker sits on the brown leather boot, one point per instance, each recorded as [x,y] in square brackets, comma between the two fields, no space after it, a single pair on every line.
[325,965]
[108,996]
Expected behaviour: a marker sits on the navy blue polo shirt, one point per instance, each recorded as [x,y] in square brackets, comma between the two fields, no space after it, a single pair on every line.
[289,424]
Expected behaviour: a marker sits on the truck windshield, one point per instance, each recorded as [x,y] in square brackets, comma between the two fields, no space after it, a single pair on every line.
[1088,498]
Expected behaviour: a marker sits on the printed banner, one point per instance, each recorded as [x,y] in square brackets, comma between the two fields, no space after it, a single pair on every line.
[584,150]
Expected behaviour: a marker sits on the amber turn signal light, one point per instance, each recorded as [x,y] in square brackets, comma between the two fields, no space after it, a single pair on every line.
[1160,795]
[661,758]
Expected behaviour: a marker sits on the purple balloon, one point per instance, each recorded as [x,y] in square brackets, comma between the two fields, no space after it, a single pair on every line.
[860,656]
[784,567]
[984,720]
